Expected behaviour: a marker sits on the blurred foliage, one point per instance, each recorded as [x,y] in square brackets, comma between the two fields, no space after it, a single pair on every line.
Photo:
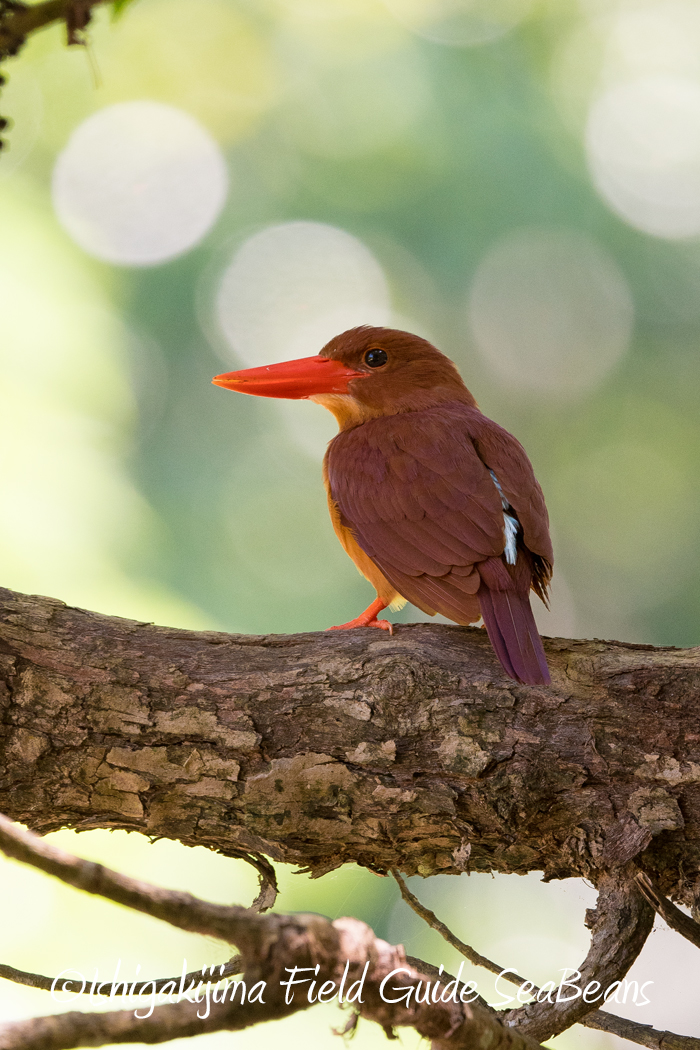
[133,486]
[119,6]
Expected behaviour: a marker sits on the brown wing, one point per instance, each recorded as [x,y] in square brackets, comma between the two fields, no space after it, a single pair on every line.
[421,504]
[506,457]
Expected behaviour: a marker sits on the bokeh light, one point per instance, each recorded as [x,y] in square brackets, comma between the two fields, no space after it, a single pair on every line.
[643,147]
[292,287]
[139,183]
[460,23]
[550,311]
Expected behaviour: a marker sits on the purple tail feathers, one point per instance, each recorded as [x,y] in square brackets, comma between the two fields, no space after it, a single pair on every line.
[514,636]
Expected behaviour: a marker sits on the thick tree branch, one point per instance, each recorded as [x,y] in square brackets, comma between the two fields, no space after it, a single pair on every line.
[413,752]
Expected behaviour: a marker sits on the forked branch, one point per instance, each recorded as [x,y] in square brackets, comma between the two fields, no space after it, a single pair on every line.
[342,953]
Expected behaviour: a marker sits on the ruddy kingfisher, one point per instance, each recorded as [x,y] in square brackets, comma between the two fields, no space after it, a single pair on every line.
[435,503]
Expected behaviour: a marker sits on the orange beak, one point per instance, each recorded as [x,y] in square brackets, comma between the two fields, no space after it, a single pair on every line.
[293,379]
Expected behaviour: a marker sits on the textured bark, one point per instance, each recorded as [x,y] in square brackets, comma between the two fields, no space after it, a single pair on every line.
[413,752]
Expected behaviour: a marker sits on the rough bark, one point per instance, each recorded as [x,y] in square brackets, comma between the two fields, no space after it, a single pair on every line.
[414,752]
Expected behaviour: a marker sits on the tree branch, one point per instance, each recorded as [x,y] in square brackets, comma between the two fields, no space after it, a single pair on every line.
[48,984]
[172,1024]
[339,955]
[642,1034]
[19,20]
[673,916]
[645,1035]
[414,752]
[621,923]
[172,906]
[440,927]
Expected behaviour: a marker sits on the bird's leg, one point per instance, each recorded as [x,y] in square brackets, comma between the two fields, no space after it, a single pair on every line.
[367,619]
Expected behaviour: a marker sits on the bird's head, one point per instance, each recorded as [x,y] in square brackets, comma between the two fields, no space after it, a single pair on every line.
[359,375]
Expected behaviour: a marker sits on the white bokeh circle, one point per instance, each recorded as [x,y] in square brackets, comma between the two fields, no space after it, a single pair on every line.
[643,149]
[292,287]
[550,311]
[139,183]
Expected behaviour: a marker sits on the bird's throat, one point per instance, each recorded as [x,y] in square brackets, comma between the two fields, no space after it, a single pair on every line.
[347,409]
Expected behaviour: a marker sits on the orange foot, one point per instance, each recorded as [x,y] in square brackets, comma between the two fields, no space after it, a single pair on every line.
[367,619]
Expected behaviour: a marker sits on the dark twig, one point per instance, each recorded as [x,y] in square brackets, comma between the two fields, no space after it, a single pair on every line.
[642,1034]
[267,880]
[672,916]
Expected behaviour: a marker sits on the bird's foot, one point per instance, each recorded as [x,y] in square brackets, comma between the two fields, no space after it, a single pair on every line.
[367,619]
[361,621]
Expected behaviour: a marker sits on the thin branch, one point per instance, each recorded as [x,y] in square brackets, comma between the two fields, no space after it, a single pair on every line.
[436,924]
[421,966]
[172,906]
[74,1029]
[48,984]
[642,1034]
[673,916]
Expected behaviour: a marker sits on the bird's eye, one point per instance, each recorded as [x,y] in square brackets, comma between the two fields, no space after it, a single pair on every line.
[376,358]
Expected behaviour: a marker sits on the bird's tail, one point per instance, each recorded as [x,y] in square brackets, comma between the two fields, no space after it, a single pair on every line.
[513,633]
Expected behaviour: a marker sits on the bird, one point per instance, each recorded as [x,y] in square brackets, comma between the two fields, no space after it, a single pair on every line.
[435,503]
